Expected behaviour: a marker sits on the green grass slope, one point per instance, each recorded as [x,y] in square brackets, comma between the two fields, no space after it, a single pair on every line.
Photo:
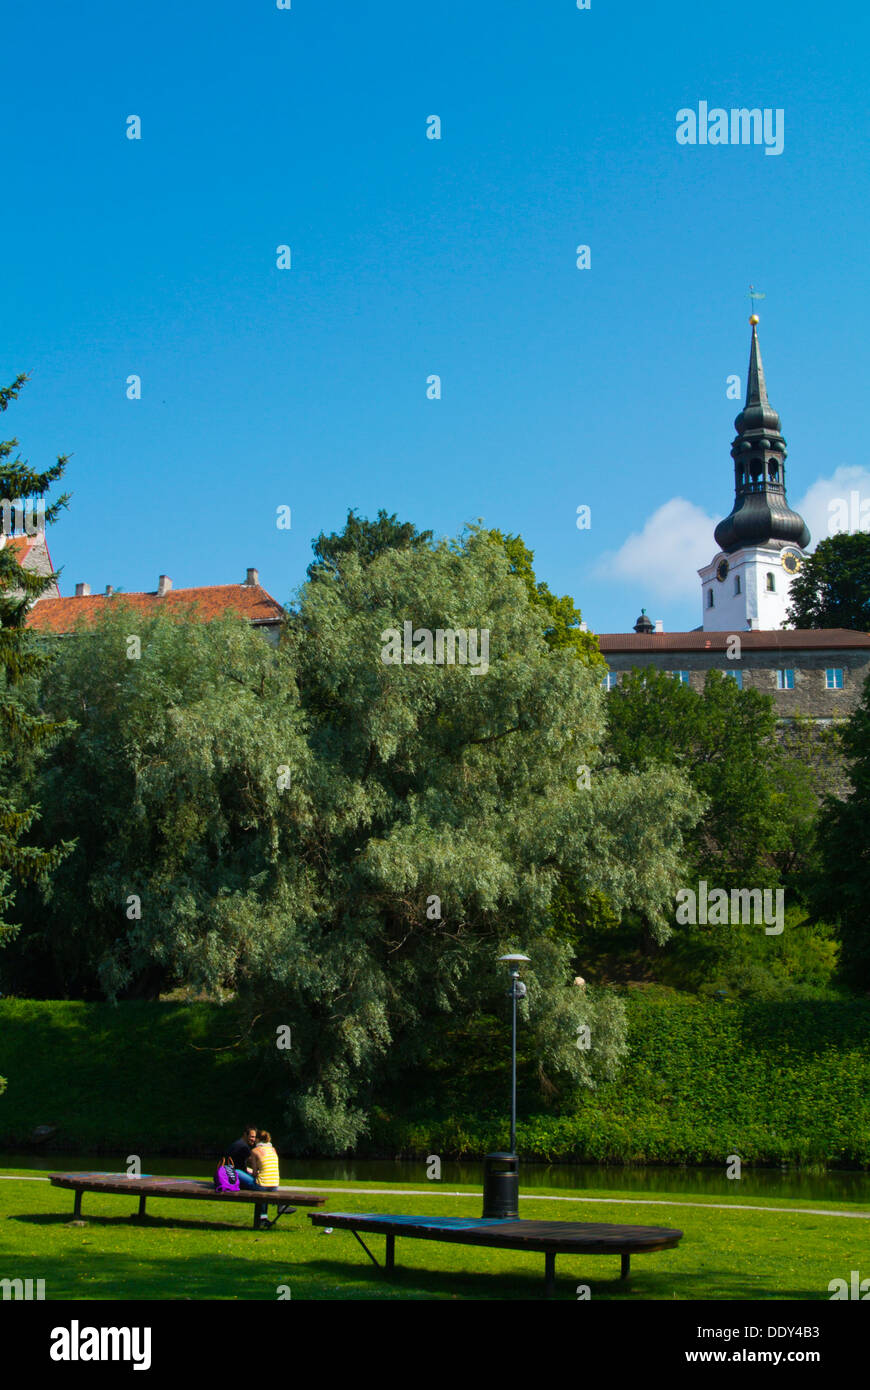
[188,1250]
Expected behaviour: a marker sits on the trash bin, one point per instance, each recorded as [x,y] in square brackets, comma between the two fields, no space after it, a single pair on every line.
[501,1185]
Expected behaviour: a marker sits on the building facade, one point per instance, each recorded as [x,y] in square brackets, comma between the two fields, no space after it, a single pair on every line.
[814,674]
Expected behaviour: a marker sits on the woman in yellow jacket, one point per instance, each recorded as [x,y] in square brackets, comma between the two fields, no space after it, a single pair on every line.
[264,1165]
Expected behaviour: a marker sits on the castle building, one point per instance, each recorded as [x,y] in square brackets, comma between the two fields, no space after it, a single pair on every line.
[745,591]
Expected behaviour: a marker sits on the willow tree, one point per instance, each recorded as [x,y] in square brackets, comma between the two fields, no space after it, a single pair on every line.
[450,800]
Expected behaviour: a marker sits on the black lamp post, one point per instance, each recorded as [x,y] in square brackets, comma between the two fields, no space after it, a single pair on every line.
[518,991]
[501,1178]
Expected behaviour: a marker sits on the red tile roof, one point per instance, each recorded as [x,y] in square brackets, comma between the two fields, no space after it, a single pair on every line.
[788,639]
[199,605]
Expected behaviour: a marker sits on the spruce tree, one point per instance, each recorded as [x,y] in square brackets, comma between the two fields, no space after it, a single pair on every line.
[25,731]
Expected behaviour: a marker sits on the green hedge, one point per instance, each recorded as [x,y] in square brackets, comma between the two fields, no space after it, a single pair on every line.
[772,1082]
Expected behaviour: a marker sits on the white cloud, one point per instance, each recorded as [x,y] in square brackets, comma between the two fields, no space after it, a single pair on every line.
[828,504]
[665,556]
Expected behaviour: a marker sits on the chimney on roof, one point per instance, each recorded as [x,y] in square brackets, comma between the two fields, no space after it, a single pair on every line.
[660,624]
[109,591]
[164,584]
[253,577]
[82,590]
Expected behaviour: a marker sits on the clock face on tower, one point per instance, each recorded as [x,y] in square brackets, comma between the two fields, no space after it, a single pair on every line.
[791,561]
[722,570]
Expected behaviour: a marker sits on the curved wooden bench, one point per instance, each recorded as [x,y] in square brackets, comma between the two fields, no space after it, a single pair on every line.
[551,1238]
[285,1199]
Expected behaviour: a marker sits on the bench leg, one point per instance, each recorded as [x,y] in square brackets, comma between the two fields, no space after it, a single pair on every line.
[390,1254]
[356,1235]
[142,1200]
[549,1273]
[77,1205]
[624,1267]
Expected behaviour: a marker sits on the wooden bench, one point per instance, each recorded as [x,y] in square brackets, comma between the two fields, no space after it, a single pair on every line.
[147,1186]
[551,1238]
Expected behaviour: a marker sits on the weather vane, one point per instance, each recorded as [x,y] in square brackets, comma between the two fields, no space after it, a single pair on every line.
[753,295]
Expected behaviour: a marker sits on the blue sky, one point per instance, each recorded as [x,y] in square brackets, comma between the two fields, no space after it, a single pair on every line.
[412,257]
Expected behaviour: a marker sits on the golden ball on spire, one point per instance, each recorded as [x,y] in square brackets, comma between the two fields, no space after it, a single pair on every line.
[753,319]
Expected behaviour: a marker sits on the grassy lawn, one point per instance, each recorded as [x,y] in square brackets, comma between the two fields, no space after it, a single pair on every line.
[182,1251]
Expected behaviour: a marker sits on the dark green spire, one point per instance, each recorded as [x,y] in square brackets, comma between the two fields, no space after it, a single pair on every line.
[761,514]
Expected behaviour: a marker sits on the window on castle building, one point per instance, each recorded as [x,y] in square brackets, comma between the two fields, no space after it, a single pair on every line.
[736,676]
[834,678]
[681,676]
[610,680]
[710,599]
[785,680]
[737,583]
[771,582]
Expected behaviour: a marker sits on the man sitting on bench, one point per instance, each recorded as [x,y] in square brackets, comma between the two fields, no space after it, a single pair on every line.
[240,1152]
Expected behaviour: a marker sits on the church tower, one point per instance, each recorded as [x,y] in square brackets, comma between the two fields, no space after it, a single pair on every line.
[761,541]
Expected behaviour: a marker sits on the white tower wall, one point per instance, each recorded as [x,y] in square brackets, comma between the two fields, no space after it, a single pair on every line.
[756,605]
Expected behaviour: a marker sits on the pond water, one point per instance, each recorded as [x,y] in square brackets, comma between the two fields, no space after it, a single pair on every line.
[650,1181]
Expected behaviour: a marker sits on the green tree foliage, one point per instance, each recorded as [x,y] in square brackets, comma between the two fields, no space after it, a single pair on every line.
[365,539]
[462,786]
[832,588]
[170,784]
[740,961]
[761,793]
[722,739]
[346,844]
[25,733]
[844,842]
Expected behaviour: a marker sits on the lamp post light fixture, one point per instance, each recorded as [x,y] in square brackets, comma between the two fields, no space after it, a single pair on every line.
[518,991]
[501,1178]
